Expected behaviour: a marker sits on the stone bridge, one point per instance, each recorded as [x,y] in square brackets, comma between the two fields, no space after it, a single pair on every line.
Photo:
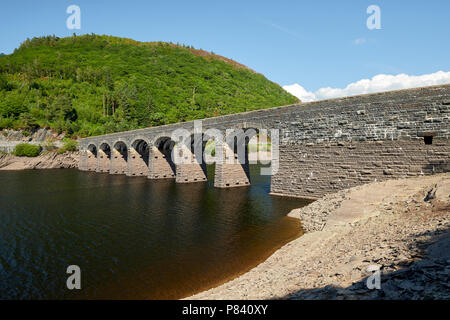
[324,146]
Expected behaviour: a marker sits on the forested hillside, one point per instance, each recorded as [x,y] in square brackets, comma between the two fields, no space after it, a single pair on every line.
[90,85]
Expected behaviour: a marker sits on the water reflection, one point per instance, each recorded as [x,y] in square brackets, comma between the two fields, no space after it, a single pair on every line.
[133,238]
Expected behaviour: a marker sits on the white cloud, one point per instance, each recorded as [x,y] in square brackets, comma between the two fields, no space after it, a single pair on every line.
[300,92]
[379,83]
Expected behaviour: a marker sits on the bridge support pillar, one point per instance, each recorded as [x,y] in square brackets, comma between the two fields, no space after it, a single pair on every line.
[83,161]
[91,161]
[229,172]
[103,162]
[136,163]
[190,170]
[160,165]
[118,163]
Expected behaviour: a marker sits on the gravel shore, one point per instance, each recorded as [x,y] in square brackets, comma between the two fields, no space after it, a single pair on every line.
[400,226]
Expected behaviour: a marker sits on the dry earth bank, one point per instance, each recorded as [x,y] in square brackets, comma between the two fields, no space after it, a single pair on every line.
[402,226]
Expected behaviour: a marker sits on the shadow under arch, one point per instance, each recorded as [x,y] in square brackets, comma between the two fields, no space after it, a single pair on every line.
[91,157]
[161,165]
[103,157]
[197,148]
[138,158]
[119,158]
[233,169]
[92,148]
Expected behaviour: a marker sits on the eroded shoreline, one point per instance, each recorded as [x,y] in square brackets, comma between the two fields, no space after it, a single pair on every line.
[401,225]
[46,160]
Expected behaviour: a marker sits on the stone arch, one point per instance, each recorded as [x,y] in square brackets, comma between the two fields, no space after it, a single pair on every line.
[140,144]
[138,157]
[161,165]
[164,143]
[91,154]
[105,146]
[119,158]
[188,157]
[103,157]
[256,141]
[92,148]
[236,144]
[211,139]
[197,146]
[233,169]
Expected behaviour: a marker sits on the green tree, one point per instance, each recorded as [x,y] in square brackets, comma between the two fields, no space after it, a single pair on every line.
[91,84]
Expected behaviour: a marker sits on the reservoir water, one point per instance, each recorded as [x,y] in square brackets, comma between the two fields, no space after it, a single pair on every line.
[133,238]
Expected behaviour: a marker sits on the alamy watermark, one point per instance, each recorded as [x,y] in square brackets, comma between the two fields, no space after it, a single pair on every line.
[74,20]
[374,280]
[74,280]
[231,146]
[374,20]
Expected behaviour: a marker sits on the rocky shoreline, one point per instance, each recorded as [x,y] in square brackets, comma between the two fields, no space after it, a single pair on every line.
[10,138]
[400,226]
[46,160]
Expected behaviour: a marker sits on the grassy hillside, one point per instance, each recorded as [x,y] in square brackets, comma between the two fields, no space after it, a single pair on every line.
[91,85]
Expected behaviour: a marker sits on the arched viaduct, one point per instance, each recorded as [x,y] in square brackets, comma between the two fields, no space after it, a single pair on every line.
[323,146]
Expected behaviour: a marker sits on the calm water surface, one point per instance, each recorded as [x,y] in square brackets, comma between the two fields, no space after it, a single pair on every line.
[133,238]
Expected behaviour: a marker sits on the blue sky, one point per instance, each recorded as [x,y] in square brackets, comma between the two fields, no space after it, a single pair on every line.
[313,43]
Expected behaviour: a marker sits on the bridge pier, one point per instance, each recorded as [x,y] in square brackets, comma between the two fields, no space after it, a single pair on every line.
[160,165]
[229,172]
[190,170]
[136,164]
[103,161]
[83,166]
[91,161]
[118,163]
[88,159]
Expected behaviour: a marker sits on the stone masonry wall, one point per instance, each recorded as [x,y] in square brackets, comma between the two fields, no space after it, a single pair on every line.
[160,166]
[345,139]
[312,171]
[230,174]
[118,163]
[136,164]
[103,162]
[191,170]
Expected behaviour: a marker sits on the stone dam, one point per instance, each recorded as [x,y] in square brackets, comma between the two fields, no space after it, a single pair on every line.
[322,147]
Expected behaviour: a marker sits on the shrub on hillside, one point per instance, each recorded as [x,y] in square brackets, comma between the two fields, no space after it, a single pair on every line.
[27,150]
[6,123]
[49,145]
[69,145]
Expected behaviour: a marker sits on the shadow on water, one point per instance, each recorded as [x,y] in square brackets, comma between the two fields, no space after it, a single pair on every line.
[133,238]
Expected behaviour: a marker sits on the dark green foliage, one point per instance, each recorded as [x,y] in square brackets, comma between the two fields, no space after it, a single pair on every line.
[69,145]
[90,85]
[27,150]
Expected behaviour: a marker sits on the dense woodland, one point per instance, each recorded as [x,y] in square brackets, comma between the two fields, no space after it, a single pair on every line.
[91,85]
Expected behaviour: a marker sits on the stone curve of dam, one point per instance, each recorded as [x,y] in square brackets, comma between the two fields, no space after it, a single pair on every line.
[324,146]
